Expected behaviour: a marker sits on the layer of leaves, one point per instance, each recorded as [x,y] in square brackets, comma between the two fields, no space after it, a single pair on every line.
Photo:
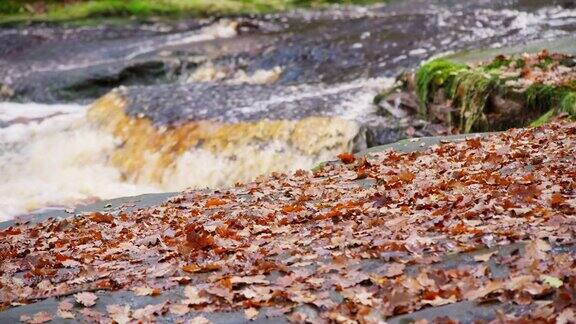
[504,206]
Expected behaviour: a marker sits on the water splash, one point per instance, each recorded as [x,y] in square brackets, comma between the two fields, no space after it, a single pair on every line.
[51,156]
[63,155]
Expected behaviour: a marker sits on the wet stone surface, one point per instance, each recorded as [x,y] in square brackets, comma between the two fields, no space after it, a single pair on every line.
[321,55]
[55,64]
[464,311]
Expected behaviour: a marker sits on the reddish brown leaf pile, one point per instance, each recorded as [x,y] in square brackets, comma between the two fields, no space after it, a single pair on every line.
[503,207]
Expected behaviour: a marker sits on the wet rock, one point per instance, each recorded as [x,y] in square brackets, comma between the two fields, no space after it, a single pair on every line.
[49,63]
[491,92]
[247,129]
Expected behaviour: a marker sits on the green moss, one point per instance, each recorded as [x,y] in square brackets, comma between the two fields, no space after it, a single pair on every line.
[16,11]
[433,75]
[497,63]
[543,97]
[469,89]
[543,119]
[470,92]
[545,63]
[568,104]
[553,100]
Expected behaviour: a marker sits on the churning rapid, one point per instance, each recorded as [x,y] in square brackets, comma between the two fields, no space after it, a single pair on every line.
[51,155]
[60,155]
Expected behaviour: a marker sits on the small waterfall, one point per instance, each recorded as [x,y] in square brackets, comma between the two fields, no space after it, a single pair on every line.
[63,155]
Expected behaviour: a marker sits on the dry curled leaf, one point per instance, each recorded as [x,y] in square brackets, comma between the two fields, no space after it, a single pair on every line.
[119,313]
[86,299]
[38,318]
[146,291]
[346,158]
[179,309]
[199,320]
[251,313]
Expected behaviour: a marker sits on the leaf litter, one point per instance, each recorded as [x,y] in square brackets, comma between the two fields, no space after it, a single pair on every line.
[354,253]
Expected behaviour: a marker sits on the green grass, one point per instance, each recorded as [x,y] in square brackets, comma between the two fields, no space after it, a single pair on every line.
[18,11]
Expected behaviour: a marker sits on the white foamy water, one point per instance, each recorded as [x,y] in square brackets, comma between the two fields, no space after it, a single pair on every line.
[50,156]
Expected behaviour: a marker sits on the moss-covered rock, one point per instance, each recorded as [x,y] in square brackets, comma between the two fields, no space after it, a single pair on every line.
[505,91]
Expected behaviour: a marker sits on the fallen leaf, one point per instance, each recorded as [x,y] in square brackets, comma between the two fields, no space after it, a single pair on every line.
[251,313]
[119,313]
[258,279]
[193,296]
[483,291]
[86,299]
[346,158]
[199,320]
[193,268]
[179,309]
[438,301]
[38,318]
[149,312]
[394,269]
[484,256]
[146,291]
[65,309]
[65,314]
[566,316]
[552,281]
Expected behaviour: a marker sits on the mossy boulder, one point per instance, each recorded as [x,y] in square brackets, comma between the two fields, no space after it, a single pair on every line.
[492,94]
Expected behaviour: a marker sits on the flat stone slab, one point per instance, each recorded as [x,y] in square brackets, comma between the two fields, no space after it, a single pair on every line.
[462,311]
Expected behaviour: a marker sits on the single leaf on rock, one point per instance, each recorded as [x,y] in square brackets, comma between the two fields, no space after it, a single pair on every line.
[483,291]
[179,309]
[395,269]
[149,312]
[553,282]
[439,301]
[146,291]
[213,202]
[65,310]
[199,320]
[119,313]
[193,296]
[101,218]
[87,299]
[193,268]
[484,256]
[251,313]
[346,158]
[38,318]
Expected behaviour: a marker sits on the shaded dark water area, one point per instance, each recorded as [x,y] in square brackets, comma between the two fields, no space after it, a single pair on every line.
[56,64]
